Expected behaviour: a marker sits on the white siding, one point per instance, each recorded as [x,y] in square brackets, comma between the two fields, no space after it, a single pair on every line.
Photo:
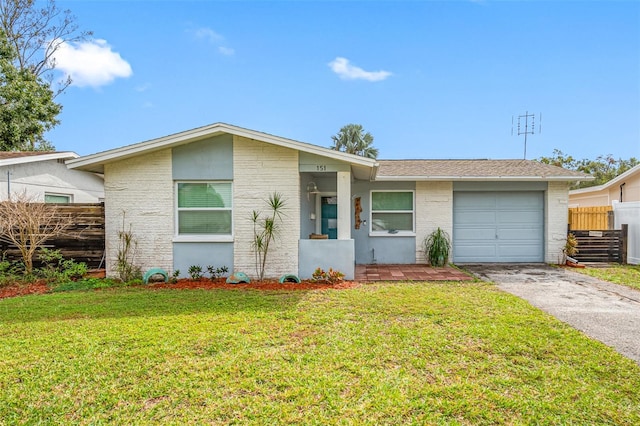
[434,208]
[259,170]
[141,189]
[556,217]
[50,176]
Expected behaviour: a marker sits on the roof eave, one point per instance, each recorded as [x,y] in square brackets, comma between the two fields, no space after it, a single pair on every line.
[95,162]
[37,158]
[485,178]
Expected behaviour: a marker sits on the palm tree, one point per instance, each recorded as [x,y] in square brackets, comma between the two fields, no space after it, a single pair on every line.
[353,139]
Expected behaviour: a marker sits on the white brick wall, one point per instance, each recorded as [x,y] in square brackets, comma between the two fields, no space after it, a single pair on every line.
[260,169]
[142,189]
[434,208]
[556,213]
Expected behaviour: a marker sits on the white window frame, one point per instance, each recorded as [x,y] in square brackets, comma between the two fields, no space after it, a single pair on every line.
[200,237]
[57,194]
[386,233]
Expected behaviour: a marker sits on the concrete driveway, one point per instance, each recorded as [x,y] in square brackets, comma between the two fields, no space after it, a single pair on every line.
[606,312]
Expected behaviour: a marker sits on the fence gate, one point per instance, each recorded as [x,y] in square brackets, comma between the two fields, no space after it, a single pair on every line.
[602,245]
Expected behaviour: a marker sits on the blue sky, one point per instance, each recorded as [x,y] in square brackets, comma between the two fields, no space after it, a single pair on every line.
[428,79]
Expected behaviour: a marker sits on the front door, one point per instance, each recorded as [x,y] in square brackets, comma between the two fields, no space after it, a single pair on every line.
[329,216]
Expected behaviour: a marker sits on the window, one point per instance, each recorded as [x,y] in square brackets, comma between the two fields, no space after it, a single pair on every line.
[392,212]
[204,208]
[57,198]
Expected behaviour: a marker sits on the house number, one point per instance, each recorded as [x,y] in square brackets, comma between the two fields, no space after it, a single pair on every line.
[321,168]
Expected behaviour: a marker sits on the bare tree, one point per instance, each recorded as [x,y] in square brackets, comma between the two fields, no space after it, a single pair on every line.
[28,224]
[37,33]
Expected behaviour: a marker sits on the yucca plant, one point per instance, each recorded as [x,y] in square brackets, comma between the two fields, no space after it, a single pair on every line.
[436,247]
[265,230]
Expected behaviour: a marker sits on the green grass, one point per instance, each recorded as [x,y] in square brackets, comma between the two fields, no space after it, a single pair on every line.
[418,353]
[628,275]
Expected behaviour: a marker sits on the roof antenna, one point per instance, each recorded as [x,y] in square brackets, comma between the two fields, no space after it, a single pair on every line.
[527,126]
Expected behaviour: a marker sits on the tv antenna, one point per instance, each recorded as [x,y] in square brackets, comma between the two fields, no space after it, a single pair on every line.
[527,126]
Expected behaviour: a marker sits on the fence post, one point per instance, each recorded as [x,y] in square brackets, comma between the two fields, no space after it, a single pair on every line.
[610,220]
[624,239]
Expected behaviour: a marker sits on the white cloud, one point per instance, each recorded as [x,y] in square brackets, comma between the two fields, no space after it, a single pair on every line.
[91,63]
[212,37]
[227,51]
[142,87]
[346,71]
[208,34]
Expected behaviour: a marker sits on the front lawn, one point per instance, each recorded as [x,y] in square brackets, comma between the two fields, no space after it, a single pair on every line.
[628,275]
[418,353]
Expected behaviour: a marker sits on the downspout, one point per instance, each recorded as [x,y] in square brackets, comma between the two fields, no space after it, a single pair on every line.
[8,185]
[623,184]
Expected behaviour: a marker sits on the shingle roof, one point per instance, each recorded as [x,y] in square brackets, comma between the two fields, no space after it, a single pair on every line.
[20,154]
[474,170]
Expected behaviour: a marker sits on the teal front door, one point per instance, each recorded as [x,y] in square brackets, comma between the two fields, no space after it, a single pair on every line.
[329,216]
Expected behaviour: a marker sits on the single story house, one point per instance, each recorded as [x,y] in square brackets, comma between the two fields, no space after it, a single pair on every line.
[43,176]
[188,199]
[623,188]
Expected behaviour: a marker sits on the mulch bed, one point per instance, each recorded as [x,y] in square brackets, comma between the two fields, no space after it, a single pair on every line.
[208,284]
[13,290]
[40,287]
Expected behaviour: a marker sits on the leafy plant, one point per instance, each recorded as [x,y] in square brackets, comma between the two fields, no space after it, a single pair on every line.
[125,258]
[57,268]
[266,230]
[331,276]
[174,277]
[87,284]
[215,273]
[570,247]
[195,272]
[437,246]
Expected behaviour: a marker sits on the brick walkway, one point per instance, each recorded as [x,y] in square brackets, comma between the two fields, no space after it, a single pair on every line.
[369,273]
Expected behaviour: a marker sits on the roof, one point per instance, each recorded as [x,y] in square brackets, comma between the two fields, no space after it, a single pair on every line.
[626,175]
[455,170]
[96,162]
[9,158]
[364,168]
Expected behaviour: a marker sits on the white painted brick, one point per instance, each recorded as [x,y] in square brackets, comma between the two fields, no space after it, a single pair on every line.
[434,208]
[556,217]
[259,170]
[141,188]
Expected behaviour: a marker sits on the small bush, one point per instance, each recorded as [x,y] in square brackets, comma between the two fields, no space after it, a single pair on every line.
[195,272]
[215,273]
[331,277]
[174,277]
[57,268]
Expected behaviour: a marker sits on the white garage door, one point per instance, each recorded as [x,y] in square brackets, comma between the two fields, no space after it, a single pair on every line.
[498,227]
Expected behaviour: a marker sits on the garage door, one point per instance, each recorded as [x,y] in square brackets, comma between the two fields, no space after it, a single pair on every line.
[498,227]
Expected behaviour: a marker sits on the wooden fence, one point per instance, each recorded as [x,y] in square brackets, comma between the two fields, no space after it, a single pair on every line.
[83,241]
[602,246]
[585,218]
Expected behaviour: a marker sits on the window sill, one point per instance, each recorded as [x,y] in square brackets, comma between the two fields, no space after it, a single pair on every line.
[203,239]
[388,234]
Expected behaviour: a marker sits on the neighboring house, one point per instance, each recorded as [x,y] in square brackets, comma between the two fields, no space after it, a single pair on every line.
[188,199]
[43,176]
[623,188]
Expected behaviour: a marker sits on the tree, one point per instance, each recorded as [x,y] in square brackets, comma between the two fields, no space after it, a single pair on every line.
[35,34]
[28,224]
[603,168]
[27,106]
[353,139]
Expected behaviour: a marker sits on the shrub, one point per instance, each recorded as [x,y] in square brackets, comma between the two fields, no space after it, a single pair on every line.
[195,272]
[215,273]
[436,247]
[331,277]
[57,268]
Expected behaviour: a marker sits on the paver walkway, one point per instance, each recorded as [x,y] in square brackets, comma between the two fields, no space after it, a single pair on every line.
[370,273]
